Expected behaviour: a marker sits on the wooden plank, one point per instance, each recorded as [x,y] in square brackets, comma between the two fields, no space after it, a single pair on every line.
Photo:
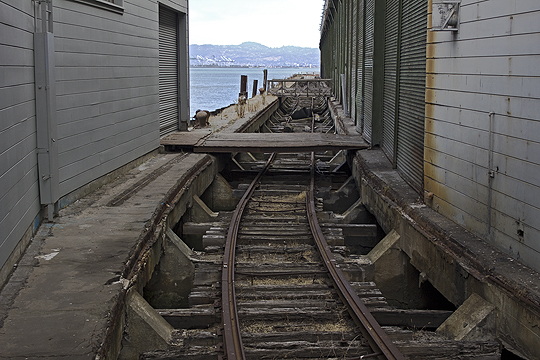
[417,319]
[185,139]
[257,142]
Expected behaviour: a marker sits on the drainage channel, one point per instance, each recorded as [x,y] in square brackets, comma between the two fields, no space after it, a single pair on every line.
[287,305]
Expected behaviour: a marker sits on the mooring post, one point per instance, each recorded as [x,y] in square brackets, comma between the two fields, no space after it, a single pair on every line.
[265,81]
[254,92]
[243,86]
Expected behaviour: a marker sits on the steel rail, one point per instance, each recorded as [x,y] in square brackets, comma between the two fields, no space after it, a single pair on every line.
[377,339]
[232,337]
[372,331]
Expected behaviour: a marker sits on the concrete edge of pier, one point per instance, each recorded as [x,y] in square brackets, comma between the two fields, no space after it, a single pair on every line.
[456,262]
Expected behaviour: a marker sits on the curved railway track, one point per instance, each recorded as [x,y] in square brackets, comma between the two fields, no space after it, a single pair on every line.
[278,288]
[378,344]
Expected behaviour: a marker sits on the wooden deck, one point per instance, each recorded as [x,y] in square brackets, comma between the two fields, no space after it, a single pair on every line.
[262,142]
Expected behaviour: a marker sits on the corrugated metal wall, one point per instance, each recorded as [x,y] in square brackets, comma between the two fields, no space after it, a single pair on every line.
[395,33]
[412,89]
[391,55]
[360,67]
[168,71]
[354,57]
[368,67]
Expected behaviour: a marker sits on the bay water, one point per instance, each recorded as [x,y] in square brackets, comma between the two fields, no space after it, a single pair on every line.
[215,88]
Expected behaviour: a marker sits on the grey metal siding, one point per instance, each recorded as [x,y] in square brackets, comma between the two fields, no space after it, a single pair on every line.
[412,88]
[107,91]
[489,66]
[19,193]
[106,98]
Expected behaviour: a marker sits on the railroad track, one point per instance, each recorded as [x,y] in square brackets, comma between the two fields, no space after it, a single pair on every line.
[295,265]
[284,258]
[269,279]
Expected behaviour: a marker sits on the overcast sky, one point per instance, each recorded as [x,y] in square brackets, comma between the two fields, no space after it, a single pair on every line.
[273,23]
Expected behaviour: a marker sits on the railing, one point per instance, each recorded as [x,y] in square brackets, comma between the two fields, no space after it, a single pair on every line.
[301,87]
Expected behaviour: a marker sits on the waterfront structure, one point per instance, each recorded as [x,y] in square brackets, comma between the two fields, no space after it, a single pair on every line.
[88,87]
[449,91]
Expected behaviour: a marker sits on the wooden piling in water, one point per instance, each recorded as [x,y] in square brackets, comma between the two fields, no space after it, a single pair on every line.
[243,86]
[254,92]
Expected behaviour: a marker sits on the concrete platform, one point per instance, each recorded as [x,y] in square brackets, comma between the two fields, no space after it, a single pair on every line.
[64,299]
[59,299]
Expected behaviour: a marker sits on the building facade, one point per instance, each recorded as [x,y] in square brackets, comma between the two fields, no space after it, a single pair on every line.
[450,92]
[87,87]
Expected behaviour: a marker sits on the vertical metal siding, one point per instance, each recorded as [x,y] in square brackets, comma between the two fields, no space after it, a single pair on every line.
[339,46]
[368,69]
[410,152]
[333,36]
[168,71]
[390,74]
[360,68]
[354,56]
[349,57]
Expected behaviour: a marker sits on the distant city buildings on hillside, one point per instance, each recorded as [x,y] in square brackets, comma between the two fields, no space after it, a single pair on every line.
[253,55]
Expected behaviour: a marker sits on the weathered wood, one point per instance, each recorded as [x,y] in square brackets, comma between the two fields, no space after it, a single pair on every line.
[185,138]
[275,142]
[285,314]
[305,349]
[254,91]
[310,336]
[188,354]
[191,228]
[321,303]
[449,349]
[412,318]
[192,318]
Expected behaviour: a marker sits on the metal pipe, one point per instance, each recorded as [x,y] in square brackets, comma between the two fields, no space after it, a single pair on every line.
[491,172]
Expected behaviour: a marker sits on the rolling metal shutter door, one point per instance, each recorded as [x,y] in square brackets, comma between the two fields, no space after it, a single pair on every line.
[412,82]
[341,48]
[390,76]
[349,55]
[168,71]
[354,56]
[368,69]
[360,69]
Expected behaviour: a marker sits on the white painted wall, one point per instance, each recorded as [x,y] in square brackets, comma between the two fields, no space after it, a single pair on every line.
[490,65]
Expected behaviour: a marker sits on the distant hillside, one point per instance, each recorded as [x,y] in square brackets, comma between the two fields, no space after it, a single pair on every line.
[253,54]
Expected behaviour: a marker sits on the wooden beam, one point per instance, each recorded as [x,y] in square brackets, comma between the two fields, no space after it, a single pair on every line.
[278,142]
[417,319]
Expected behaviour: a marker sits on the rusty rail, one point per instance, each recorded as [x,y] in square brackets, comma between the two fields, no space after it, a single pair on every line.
[378,340]
[232,337]
[372,331]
